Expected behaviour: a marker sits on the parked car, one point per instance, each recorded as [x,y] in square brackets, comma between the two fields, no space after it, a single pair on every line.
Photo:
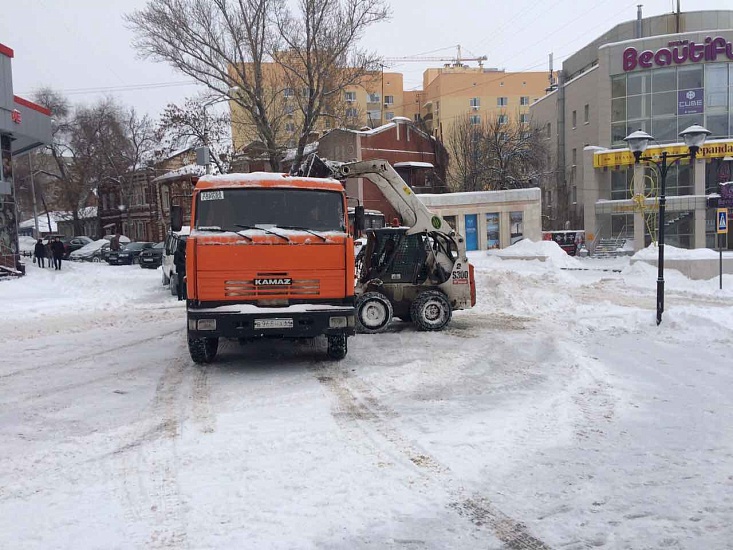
[169,268]
[92,252]
[70,243]
[129,255]
[152,257]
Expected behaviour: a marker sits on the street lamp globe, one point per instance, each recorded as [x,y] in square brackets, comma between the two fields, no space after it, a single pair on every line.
[694,137]
[638,142]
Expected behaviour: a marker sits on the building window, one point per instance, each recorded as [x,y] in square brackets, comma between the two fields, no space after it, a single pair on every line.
[350,97]
[524,100]
[548,130]
[290,127]
[351,112]
[374,116]
[502,101]
[575,118]
[104,202]
[389,115]
[575,156]
[288,92]
[575,194]
[306,93]
[503,119]
[389,100]
[289,109]
[165,197]
[474,103]
[374,98]
[516,222]
[524,118]
[327,122]
[475,119]
[586,113]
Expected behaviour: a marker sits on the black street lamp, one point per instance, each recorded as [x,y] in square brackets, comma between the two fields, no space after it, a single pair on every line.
[638,141]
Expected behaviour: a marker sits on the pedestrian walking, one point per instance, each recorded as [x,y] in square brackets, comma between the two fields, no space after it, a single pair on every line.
[49,253]
[179,260]
[57,249]
[40,253]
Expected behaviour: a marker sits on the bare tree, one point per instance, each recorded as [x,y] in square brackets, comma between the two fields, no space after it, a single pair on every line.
[319,54]
[253,52]
[192,126]
[496,153]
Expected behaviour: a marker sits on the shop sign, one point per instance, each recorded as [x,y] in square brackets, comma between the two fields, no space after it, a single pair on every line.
[690,102]
[15,115]
[678,52]
[624,157]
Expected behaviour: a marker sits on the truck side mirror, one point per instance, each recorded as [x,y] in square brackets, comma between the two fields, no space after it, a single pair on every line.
[176,218]
[358,219]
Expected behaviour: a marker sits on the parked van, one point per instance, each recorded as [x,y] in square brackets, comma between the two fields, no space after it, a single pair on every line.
[170,277]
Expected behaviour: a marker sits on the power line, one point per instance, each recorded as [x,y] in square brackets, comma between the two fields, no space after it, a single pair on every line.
[125,88]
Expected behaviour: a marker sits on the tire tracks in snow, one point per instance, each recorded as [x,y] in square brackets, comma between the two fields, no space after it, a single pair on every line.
[367,422]
[150,461]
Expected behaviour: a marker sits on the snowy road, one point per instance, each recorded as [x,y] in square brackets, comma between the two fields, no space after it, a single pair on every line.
[554,415]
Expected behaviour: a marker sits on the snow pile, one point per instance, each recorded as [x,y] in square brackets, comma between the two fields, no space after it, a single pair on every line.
[651,252]
[540,250]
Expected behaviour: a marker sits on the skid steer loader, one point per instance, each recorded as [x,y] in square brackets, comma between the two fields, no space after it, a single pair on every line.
[419,272]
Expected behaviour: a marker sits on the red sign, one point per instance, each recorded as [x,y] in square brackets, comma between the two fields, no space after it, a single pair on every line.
[15,115]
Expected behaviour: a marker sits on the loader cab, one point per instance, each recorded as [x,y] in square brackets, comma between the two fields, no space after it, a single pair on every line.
[393,256]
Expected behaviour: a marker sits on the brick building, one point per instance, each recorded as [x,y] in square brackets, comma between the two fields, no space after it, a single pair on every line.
[420,159]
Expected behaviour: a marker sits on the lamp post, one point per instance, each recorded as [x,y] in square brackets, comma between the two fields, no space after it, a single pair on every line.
[638,141]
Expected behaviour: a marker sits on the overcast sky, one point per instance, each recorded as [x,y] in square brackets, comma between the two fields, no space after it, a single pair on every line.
[82,48]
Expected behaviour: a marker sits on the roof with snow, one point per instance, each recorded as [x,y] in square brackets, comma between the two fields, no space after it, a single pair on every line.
[413,164]
[187,170]
[478,197]
[57,216]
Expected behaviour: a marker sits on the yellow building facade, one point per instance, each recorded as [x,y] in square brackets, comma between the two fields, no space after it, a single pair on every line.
[450,93]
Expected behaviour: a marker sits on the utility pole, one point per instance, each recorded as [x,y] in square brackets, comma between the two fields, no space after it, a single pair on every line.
[33,192]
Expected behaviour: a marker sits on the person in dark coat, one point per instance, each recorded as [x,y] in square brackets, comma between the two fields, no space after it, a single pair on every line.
[40,252]
[57,249]
[179,260]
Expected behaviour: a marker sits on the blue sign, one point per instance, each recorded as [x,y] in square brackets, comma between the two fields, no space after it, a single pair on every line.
[690,102]
[722,220]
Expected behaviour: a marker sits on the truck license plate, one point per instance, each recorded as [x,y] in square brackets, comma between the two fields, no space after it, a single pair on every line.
[273,323]
[147,259]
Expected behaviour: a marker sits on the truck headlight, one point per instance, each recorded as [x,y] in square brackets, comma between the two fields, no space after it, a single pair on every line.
[206,324]
[337,322]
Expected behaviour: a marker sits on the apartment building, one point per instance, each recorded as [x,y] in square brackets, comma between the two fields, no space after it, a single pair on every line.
[452,92]
[374,101]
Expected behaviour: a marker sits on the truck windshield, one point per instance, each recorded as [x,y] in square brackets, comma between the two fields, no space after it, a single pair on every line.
[229,209]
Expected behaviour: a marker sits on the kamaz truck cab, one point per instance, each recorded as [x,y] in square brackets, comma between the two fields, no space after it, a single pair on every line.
[268,256]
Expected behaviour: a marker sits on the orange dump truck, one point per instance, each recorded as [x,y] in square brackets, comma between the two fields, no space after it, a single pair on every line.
[269,255]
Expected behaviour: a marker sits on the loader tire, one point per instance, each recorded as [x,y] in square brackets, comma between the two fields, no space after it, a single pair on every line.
[373,312]
[431,311]
[203,350]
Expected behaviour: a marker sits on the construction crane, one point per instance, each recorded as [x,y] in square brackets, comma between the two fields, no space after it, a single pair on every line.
[456,61]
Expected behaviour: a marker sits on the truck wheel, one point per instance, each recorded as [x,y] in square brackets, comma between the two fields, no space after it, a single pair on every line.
[431,311]
[337,346]
[96,259]
[203,350]
[373,312]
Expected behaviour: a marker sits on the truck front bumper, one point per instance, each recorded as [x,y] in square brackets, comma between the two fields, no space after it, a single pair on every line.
[249,321]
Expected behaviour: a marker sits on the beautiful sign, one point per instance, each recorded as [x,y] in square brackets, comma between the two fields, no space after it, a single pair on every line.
[677,53]
[690,102]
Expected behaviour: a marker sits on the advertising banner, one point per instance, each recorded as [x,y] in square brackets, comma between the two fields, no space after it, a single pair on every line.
[690,102]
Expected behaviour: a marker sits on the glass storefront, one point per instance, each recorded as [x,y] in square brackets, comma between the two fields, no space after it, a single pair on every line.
[666,101]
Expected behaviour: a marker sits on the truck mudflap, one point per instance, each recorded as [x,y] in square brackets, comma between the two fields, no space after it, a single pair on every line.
[250,321]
